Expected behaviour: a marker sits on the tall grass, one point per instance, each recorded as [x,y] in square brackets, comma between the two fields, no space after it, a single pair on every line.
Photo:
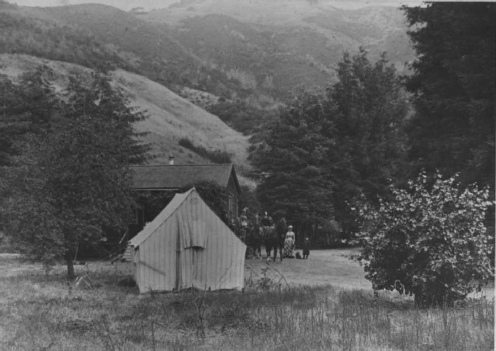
[40,312]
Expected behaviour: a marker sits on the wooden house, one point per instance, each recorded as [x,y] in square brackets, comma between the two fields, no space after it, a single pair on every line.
[172,178]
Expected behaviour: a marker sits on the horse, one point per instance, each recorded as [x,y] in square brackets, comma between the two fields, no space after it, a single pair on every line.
[273,238]
[254,240]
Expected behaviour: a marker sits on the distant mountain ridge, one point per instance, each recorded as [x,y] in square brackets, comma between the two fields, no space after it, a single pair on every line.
[278,46]
[263,51]
[254,55]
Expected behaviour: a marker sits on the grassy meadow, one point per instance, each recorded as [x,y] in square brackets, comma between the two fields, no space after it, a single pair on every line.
[45,312]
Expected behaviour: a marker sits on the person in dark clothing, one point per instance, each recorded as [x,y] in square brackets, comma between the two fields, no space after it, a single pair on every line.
[266,221]
[306,248]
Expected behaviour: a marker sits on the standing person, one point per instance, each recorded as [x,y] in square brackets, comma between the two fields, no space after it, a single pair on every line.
[244,218]
[243,224]
[289,243]
[306,247]
[256,237]
[266,231]
[266,221]
[277,241]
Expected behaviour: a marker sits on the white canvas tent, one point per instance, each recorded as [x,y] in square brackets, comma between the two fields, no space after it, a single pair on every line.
[187,246]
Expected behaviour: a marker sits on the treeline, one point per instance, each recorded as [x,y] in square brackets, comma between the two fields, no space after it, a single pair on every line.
[20,35]
[241,116]
[106,40]
[328,149]
[373,129]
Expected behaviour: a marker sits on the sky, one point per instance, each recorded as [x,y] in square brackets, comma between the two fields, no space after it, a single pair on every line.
[150,4]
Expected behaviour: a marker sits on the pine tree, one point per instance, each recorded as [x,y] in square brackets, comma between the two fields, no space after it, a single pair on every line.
[455,89]
[72,180]
[25,108]
[370,109]
[326,151]
[291,160]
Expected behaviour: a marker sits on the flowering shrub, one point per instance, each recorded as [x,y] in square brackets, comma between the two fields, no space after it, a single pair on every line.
[429,241]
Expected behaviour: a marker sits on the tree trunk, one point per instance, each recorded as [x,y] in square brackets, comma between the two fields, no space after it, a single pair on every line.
[70,266]
[419,300]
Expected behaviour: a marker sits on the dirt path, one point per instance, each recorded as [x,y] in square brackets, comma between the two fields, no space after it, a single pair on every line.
[323,267]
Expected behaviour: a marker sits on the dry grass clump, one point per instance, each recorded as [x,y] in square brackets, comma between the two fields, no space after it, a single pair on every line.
[45,312]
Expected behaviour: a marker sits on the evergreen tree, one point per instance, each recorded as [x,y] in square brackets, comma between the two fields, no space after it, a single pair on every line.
[25,107]
[291,160]
[370,109]
[454,85]
[326,151]
[72,180]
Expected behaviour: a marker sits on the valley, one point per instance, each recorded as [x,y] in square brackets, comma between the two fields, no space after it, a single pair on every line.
[242,62]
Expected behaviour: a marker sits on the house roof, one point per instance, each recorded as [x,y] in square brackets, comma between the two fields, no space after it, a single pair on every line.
[162,177]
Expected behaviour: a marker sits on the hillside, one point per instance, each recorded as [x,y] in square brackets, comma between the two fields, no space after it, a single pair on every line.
[103,37]
[276,46]
[261,52]
[241,60]
[170,116]
[173,117]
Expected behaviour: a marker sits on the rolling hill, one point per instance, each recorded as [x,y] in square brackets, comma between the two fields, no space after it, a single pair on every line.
[258,51]
[240,59]
[276,46]
[170,116]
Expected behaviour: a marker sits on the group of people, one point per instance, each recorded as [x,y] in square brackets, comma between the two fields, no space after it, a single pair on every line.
[255,233]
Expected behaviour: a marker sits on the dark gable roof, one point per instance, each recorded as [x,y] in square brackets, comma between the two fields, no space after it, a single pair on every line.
[159,177]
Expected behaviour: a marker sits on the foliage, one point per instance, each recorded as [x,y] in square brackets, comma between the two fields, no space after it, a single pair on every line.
[327,150]
[216,156]
[213,194]
[25,108]
[241,116]
[370,110]
[284,60]
[103,39]
[24,35]
[206,54]
[429,241]
[249,200]
[72,179]
[453,81]
[291,160]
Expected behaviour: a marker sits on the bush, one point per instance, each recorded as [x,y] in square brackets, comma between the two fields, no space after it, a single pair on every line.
[214,156]
[429,241]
